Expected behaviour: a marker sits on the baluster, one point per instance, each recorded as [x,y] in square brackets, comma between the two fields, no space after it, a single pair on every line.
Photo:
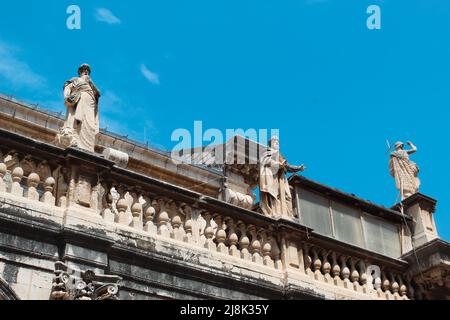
[244,241]
[403,289]
[377,284]
[354,275]
[62,187]
[122,206]
[317,264]
[197,226]
[394,287]
[3,171]
[136,211]
[176,231]
[345,273]
[45,173]
[33,182]
[232,238]
[336,271]
[267,250]
[149,216]
[385,286]
[209,233]
[188,223]
[255,245]
[326,267]
[307,259]
[221,235]
[107,202]
[48,197]
[163,218]
[16,188]
[363,275]
[276,252]
[177,222]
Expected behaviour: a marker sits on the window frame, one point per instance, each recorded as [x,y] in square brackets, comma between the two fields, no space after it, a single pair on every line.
[301,217]
[362,221]
[399,235]
[359,211]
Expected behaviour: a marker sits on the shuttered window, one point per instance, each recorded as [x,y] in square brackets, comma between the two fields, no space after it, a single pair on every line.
[381,237]
[315,212]
[347,224]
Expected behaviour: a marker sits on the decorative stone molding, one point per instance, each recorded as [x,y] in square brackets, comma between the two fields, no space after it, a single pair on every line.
[65,138]
[430,269]
[73,284]
[239,199]
[118,157]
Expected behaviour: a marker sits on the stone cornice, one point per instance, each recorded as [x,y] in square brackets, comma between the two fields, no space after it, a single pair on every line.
[425,202]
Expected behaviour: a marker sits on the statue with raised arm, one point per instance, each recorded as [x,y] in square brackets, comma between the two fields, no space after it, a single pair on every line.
[275,194]
[403,170]
[81,99]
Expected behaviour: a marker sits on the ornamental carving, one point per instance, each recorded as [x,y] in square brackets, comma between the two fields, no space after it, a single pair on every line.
[73,284]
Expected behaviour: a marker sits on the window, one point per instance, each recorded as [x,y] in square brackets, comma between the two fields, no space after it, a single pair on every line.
[315,212]
[347,224]
[381,237]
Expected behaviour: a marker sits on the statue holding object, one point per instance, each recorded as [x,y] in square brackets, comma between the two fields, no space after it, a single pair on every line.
[403,170]
[275,194]
[81,98]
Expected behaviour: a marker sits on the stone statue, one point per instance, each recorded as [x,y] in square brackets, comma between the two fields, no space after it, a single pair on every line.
[81,99]
[403,170]
[275,194]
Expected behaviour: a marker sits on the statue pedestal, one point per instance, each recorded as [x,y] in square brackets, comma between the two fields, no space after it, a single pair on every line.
[421,208]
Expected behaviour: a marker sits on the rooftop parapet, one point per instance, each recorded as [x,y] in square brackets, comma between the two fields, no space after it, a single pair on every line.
[88,196]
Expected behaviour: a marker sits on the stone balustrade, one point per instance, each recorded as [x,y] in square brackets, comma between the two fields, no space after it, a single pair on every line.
[72,178]
[160,215]
[354,273]
[24,176]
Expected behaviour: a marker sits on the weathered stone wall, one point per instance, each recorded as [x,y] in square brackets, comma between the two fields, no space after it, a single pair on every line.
[151,267]
[27,266]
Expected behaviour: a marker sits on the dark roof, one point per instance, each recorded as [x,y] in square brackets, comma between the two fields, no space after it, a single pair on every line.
[349,199]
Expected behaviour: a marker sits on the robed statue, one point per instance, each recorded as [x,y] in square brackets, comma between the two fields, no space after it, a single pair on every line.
[275,194]
[81,98]
[403,170]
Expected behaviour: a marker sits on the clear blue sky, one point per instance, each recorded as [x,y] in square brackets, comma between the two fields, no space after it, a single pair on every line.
[311,68]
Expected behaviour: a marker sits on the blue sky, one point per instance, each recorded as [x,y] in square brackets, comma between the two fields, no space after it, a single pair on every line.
[311,68]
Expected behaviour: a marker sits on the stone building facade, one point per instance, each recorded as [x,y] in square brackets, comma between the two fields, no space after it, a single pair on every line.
[76,224]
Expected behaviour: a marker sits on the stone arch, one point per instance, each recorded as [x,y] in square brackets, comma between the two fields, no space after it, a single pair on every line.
[6,292]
